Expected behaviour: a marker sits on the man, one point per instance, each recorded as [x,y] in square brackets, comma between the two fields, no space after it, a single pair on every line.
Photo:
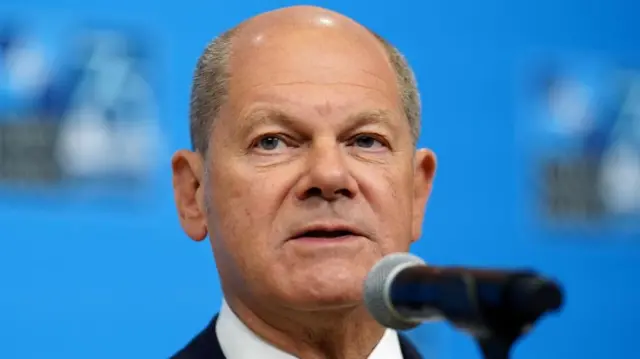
[304,175]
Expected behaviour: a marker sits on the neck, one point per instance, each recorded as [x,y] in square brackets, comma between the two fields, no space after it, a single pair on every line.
[322,334]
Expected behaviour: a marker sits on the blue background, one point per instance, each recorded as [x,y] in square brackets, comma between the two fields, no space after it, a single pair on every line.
[119,279]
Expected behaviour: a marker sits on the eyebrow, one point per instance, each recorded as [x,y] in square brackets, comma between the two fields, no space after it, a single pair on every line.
[372,117]
[264,117]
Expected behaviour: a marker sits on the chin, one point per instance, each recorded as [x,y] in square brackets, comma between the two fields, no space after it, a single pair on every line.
[323,303]
[325,293]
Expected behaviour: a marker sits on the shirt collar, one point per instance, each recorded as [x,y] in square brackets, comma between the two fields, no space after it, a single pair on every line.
[239,342]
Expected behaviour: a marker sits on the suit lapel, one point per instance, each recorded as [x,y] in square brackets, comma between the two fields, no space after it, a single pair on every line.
[409,351]
[204,346]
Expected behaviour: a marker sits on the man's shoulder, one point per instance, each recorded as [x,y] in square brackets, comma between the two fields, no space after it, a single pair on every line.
[204,345]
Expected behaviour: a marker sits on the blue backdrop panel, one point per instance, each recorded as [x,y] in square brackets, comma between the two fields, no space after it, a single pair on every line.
[101,269]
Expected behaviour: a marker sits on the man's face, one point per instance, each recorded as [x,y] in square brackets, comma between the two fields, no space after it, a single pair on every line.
[312,174]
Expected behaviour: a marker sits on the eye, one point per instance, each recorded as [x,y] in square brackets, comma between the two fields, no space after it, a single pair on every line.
[367,141]
[270,143]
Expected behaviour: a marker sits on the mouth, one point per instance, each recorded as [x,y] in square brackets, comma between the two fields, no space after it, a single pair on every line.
[326,233]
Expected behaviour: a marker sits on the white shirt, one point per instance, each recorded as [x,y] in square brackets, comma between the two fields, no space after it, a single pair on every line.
[239,342]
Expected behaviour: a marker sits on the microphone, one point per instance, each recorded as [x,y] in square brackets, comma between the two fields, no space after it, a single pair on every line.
[401,292]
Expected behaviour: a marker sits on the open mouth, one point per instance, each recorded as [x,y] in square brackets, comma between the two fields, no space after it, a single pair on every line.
[325,234]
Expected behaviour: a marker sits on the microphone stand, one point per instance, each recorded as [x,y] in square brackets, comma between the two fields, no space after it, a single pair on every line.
[495,348]
[496,316]
[496,328]
[497,341]
[496,309]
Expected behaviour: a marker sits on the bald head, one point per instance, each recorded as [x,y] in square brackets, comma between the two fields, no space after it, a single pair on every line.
[301,40]
[303,24]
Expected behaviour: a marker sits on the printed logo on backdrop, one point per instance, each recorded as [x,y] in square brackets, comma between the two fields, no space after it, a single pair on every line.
[586,141]
[77,110]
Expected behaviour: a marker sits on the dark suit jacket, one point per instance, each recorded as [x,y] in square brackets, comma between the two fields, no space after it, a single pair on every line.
[206,346]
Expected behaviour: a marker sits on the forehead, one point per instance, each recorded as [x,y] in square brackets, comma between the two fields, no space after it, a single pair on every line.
[312,69]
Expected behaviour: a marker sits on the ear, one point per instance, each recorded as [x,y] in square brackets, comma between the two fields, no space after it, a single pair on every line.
[424,173]
[188,192]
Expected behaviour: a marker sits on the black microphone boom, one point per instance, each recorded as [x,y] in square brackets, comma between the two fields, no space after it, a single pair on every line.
[470,298]
[401,292]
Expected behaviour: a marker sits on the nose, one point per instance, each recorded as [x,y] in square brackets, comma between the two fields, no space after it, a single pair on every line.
[327,174]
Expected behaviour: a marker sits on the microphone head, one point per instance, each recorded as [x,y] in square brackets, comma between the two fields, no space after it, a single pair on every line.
[378,284]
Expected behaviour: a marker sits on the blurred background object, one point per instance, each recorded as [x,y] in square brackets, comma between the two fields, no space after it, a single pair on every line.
[77,111]
[533,110]
[585,137]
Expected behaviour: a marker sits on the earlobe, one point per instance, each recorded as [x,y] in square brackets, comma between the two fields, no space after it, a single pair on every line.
[189,194]
[424,174]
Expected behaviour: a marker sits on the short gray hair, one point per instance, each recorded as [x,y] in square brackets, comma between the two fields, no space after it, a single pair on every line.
[211,77]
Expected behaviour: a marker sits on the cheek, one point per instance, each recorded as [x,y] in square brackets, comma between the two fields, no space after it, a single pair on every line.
[389,192]
[245,202]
